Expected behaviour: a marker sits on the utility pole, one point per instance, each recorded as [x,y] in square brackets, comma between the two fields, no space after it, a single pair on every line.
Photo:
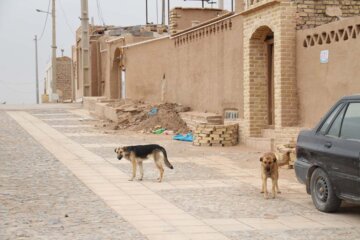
[36,71]
[163,13]
[53,55]
[168,5]
[146,6]
[85,47]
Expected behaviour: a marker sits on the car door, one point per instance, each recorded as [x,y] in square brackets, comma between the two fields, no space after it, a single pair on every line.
[318,152]
[349,143]
[342,150]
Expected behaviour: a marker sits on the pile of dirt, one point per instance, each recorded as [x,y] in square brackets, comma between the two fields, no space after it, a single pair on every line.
[143,117]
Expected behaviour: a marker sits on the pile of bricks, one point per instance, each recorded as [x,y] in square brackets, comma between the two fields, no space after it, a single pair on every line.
[193,119]
[216,135]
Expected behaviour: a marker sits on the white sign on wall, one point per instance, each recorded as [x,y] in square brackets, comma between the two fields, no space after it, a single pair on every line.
[324,56]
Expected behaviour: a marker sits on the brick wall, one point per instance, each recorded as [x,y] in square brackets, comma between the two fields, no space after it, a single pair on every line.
[63,78]
[278,18]
[311,13]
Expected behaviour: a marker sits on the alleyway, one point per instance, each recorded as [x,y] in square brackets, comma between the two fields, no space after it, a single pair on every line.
[60,179]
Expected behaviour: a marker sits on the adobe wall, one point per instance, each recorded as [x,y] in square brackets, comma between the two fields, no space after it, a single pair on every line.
[182,18]
[146,65]
[320,85]
[207,72]
[201,69]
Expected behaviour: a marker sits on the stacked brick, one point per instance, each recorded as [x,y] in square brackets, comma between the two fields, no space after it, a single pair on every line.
[216,135]
[193,119]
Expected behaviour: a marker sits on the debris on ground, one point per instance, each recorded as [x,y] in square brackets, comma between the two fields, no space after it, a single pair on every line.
[187,137]
[147,118]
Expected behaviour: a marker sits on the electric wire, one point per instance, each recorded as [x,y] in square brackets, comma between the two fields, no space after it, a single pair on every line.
[99,12]
[47,15]
[65,18]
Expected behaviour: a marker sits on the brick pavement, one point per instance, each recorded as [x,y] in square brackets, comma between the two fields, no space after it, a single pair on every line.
[211,194]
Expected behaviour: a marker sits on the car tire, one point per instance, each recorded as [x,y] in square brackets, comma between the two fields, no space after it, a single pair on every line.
[322,192]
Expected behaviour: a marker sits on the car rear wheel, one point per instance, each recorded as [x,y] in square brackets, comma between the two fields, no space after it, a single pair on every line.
[322,193]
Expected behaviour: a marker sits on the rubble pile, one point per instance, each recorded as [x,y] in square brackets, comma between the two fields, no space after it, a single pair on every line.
[146,118]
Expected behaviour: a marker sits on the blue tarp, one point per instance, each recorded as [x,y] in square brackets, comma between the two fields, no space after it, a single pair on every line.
[153,111]
[187,138]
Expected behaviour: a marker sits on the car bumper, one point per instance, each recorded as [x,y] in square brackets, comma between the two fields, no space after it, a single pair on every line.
[301,170]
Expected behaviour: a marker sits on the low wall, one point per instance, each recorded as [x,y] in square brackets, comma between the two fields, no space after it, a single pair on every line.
[193,119]
[216,135]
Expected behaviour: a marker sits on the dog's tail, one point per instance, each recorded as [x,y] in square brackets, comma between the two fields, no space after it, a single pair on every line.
[166,160]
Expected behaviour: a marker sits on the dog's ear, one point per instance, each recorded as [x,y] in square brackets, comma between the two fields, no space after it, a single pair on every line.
[274,159]
[261,159]
[115,149]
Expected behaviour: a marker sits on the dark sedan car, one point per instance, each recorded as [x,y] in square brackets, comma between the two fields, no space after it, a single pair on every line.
[328,156]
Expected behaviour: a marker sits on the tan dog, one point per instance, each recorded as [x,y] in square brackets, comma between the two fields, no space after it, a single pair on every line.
[282,159]
[269,169]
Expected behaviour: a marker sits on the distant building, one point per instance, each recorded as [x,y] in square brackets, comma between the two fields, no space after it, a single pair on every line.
[63,80]
[106,57]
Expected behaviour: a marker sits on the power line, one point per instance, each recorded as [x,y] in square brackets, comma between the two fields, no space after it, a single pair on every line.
[47,15]
[99,12]
[65,17]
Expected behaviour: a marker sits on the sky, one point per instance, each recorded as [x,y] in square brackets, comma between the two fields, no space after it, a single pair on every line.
[19,23]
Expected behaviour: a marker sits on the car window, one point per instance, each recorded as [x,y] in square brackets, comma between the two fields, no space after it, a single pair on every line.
[351,124]
[334,130]
[328,121]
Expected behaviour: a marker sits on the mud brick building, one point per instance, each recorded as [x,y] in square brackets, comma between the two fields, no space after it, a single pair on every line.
[63,79]
[263,61]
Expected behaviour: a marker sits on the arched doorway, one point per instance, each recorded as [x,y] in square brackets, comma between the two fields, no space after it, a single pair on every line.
[115,76]
[261,80]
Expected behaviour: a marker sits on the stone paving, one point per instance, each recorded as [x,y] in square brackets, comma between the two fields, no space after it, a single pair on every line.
[41,199]
[213,193]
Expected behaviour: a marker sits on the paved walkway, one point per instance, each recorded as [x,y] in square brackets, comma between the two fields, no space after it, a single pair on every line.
[210,194]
